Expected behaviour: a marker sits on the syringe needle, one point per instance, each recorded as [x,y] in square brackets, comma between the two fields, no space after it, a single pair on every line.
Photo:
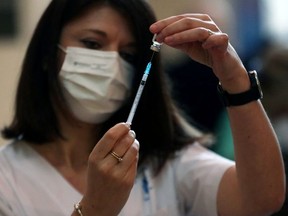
[152,56]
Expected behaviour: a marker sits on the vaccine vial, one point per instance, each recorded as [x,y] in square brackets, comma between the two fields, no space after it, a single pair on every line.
[156,46]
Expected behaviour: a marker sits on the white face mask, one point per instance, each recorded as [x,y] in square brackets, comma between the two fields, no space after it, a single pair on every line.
[96,83]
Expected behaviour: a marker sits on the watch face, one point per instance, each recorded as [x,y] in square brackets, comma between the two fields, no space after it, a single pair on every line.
[255,76]
[259,87]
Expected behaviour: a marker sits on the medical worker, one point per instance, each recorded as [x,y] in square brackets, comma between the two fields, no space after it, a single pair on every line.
[72,152]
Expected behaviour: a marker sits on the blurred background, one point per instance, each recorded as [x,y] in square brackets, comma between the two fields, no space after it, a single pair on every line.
[255,27]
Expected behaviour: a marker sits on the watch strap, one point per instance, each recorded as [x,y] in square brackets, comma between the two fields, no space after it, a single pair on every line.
[253,94]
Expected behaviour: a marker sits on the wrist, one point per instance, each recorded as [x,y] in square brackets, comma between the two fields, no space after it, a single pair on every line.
[236,84]
[78,209]
[83,209]
[86,208]
[253,93]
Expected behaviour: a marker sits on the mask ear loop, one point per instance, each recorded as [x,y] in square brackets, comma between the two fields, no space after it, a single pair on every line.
[61,48]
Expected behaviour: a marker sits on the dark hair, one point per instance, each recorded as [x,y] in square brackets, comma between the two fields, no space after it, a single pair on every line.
[159,127]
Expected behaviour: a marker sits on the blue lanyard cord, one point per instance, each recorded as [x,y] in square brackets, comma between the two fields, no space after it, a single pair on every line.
[147,199]
[145,187]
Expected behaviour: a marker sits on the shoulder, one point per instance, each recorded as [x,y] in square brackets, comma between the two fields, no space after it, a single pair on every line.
[11,158]
[7,182]
[200,155]
[10,150]
[8,157]
[5,151]
[196,164]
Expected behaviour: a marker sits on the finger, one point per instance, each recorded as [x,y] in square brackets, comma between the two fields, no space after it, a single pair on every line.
[182,27]
[131,171]
[121,147]
[124,144]
[121,168]
[217,42]
[161,24]
[131,157]
[199,34]
[126,171]
[110,138]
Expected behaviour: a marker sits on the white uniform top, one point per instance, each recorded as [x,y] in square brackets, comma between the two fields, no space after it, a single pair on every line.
[188,184]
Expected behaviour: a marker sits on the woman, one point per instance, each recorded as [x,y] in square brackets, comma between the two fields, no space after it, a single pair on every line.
[78,81]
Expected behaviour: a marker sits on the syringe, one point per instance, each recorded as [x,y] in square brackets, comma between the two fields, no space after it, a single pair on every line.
[155,47]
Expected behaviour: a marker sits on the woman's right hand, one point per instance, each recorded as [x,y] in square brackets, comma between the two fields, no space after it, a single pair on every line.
[109,181]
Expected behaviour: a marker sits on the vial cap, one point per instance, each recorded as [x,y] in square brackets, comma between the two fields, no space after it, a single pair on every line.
[156,46]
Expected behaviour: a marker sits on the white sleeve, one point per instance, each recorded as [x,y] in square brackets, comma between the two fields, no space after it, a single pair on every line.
[7,195]
[5,210]
[198,173]
[5,192]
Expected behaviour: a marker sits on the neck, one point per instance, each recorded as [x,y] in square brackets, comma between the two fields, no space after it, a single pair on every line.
[72,151]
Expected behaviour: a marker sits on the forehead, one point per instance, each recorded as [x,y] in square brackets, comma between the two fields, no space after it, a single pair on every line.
[101,17]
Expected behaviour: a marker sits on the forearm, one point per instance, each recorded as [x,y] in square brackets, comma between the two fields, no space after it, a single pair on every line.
[259,165]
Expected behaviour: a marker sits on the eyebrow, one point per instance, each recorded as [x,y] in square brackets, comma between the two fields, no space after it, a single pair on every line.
[96,31]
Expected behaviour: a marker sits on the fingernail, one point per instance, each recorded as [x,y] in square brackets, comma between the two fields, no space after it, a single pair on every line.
[153,28]
[137,143]
[133,133]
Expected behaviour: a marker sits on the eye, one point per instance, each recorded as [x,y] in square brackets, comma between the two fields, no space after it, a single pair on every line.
[129,57]
[91,44]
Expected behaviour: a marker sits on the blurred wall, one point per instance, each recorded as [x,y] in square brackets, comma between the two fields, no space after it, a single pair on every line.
[12,50]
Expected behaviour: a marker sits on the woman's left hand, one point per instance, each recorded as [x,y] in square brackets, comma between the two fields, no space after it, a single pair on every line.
[199,37]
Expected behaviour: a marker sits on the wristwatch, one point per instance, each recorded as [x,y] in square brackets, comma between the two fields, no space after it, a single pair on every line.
[253,94]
